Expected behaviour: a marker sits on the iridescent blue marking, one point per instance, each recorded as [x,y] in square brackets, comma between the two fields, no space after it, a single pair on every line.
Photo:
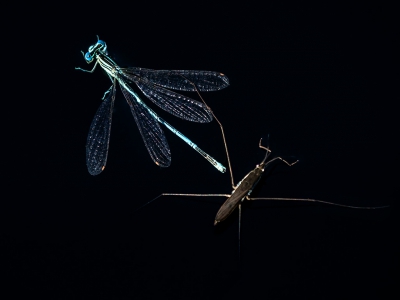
[156,85]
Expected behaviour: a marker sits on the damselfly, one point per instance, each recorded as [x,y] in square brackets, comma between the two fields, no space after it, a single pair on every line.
[155,85]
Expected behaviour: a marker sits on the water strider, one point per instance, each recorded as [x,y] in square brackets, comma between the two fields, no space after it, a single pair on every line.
[244,188]
[155,85]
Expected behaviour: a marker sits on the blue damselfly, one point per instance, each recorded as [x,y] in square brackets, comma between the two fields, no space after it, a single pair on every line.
[155,85]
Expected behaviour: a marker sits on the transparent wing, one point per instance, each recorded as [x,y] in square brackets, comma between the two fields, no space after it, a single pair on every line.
[205,81]
[151,132]
[176,104]
[99,135]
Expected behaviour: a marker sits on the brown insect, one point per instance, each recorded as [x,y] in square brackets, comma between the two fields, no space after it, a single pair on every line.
[244,188]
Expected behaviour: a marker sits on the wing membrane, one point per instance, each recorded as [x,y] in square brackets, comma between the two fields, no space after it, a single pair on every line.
[151,132]
[174,103]
[205,81]
[99,135]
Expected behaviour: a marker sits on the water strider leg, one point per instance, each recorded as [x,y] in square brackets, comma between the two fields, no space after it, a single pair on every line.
[317,201]
[222,131]
[275,158]
[184,195]
[240,222]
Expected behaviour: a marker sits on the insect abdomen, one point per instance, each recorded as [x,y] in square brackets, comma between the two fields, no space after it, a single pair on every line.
[233,201]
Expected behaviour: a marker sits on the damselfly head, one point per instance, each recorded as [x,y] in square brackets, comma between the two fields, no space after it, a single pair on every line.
[99,47]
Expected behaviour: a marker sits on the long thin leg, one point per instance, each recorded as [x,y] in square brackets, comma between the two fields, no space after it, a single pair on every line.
[225,144]
[318,201]
[222,131]
[108,91]
[188,195]
[275,158]
[240,222]
[262,147]
[87,71]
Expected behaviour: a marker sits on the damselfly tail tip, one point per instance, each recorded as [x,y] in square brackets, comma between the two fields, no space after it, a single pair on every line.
[222,170]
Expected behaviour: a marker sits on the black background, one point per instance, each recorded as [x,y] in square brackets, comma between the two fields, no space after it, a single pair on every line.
[316,79]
